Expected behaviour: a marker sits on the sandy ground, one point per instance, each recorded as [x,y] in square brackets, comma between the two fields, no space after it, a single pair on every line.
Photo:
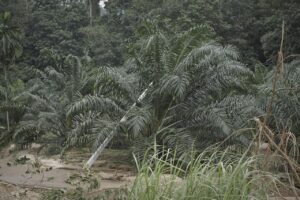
[24,181]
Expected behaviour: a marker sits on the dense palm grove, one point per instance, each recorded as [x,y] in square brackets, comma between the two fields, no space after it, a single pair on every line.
[70,70]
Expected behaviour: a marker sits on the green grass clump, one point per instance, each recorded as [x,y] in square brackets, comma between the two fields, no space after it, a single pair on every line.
[76,194]
[210,175]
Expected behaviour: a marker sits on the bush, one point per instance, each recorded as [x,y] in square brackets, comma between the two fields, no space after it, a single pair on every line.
[53,150]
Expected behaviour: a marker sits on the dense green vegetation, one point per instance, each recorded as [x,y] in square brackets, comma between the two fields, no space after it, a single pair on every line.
[70,70]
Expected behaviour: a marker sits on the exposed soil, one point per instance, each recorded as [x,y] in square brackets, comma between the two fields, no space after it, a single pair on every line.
[25,174]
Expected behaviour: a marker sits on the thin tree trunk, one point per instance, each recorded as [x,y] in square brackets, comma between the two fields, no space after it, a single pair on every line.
[27,6]
[6,97]
[100,149]
[91,12]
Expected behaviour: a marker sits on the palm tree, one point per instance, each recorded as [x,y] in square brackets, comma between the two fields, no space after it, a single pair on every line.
[195,82]
[74,101]
[95,115]
[189,74]
[285,107]
[10,50]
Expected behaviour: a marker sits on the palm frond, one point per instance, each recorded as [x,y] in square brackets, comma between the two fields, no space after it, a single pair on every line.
[138,120]
[95,103]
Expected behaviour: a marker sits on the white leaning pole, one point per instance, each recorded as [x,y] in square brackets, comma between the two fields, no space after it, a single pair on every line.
[100,149]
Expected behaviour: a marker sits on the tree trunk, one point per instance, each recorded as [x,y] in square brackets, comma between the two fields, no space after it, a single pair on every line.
[101,148]
[6,96]
[91,12]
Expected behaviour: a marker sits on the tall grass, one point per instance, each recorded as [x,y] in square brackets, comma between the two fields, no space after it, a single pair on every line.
[211,175]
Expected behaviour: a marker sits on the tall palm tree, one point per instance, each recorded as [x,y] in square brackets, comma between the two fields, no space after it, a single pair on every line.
[10,50]
[179,69]
[195,81]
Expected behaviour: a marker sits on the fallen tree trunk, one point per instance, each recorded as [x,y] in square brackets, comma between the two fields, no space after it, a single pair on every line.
[100,149]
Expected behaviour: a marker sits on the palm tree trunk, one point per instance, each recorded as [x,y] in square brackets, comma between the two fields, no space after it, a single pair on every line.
[101,148]
[6,96]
